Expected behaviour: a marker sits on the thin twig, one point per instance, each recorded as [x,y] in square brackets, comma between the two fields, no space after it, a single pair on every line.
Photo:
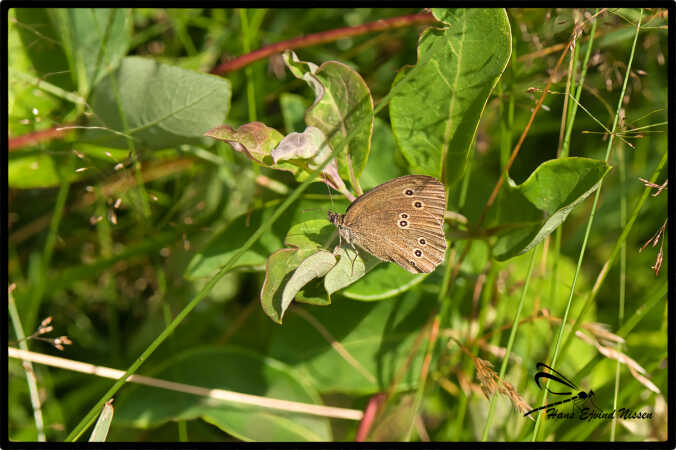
[322,38]
[36,137]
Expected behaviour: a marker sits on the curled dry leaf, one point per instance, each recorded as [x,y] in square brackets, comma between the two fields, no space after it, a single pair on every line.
[309,150]
[256,140]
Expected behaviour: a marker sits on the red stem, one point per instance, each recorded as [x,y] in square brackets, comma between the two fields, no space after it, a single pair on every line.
[35,137]
[374,404]
[320,38]
[264,52]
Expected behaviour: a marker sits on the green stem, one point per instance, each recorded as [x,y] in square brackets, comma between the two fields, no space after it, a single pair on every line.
[28,368]
[510,342]
[34,306]
[246,47]
[592,214]
[623,278]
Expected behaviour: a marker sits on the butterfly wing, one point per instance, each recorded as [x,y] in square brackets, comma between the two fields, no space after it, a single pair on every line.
[402,221]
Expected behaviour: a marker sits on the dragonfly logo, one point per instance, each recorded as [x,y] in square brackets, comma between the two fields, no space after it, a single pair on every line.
[573,394]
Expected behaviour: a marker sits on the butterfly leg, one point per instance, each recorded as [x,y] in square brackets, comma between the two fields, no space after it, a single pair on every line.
[356,253]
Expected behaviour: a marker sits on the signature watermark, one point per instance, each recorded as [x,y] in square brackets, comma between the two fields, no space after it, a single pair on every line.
[575,403]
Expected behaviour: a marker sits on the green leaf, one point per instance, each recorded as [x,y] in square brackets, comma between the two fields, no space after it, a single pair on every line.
[307,239]
[311,234]
[378,336]
[278,270]
[312,267]
[24,101]
[314,293]
[437,104]
[234,369]
[342,103]
[163,106]
[75,46]
[534,209]
[384,281]
[351,267]
[95,39]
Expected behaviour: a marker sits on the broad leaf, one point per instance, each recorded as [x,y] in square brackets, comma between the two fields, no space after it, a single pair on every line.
[379,338]
[534,209]
[437,104]
[163,106]
[384,281]
[43,49]
[313,267]
[234,369]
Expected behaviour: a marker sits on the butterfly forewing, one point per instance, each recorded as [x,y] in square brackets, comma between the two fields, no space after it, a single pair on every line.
[401,221]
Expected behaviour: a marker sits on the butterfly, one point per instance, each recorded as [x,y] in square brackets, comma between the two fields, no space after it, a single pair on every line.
[400,221]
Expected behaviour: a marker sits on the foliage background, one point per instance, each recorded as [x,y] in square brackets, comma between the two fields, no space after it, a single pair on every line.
[113,284]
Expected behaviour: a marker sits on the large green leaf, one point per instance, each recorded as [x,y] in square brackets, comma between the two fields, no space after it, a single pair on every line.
[535,208]
[233,369]
[163,106]
[378,336]
[437,104]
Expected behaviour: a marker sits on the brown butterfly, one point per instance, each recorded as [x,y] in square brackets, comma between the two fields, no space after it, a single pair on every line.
[400,221]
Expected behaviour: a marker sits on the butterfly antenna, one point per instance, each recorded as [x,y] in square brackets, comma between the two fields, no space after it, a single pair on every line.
[333,207]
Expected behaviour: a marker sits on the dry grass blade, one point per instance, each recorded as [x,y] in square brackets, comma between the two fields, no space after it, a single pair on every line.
[634,367]
[644,381]
[600,330]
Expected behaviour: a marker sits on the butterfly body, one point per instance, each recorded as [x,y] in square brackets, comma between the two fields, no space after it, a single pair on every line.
[399,221]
